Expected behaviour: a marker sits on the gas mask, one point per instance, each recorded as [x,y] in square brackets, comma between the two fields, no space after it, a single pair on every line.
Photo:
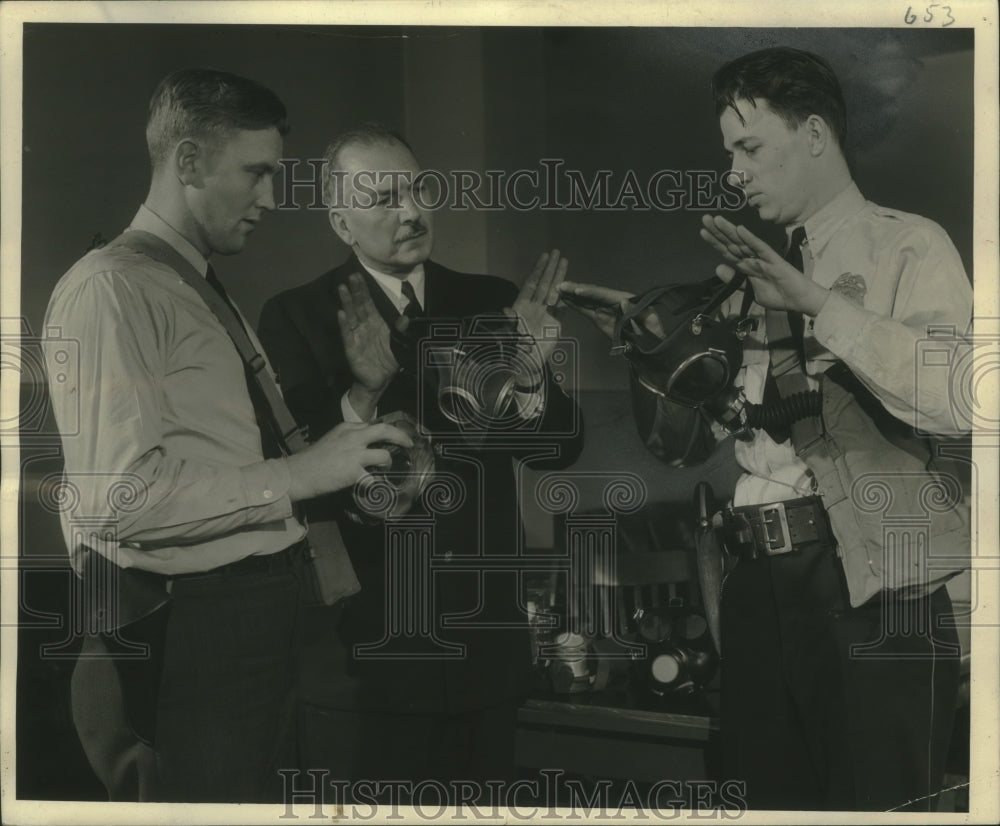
[679,350]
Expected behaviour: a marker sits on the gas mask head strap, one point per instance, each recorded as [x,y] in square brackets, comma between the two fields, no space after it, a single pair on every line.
[639,304]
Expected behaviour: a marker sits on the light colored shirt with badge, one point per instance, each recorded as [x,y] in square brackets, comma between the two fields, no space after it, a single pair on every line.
[894,278]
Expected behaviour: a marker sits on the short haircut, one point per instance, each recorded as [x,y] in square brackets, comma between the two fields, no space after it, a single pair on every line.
[370,133]
[795,84]
[208,104]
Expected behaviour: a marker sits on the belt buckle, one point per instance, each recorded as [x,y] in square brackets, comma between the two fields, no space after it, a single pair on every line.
[776,535]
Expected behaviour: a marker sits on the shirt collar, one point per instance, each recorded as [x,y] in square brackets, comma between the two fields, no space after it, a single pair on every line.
[393,286]
[821,226]
[148,221]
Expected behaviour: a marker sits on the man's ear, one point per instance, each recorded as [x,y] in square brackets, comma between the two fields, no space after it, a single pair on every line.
[339,224]
[818,134]
[189,163]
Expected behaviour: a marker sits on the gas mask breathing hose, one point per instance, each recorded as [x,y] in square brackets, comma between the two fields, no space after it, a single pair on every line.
[690,337]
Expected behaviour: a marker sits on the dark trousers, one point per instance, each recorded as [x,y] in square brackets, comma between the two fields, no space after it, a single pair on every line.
[828,707]
[451,749]
[226,696]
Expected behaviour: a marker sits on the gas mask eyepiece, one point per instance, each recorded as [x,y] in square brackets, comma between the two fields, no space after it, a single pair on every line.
[680,351]
[675,346]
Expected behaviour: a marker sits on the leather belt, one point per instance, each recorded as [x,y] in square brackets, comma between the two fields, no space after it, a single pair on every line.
[751,531]
[256,564]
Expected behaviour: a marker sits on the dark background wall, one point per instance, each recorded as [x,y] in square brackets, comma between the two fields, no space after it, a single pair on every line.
[614,99]
[501,98]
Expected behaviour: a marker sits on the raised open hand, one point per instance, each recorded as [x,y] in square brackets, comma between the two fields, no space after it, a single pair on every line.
[365,335]
[776,283]
[532,307]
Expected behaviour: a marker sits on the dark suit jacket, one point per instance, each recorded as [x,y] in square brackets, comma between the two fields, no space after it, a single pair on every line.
[299,330]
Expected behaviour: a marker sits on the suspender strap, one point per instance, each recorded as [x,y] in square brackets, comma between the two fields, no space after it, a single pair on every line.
[290,434]
[335,575]
[784,347]
[790,377]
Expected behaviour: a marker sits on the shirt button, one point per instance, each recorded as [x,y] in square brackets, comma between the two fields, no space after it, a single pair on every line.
[267,494]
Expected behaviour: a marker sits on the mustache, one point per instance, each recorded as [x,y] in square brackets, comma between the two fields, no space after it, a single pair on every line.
[412,229]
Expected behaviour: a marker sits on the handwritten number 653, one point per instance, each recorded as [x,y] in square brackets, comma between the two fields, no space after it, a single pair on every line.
[910,18]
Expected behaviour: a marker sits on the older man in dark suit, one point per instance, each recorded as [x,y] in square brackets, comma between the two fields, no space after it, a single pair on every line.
[438,704]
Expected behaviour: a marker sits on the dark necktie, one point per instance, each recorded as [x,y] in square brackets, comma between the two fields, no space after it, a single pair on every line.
[215,284]
[793,255]
[412,308]
[269,443]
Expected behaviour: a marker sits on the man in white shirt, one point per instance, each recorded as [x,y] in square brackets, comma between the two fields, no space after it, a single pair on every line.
[182,493]
[839,685]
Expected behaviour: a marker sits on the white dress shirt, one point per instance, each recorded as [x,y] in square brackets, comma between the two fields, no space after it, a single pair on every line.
[164,416]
